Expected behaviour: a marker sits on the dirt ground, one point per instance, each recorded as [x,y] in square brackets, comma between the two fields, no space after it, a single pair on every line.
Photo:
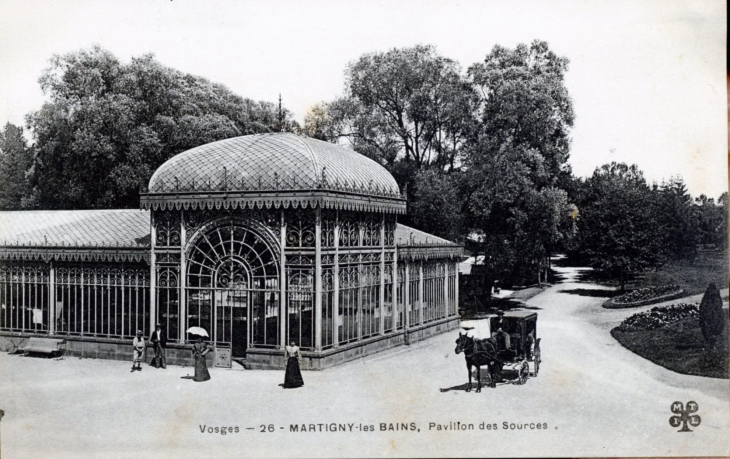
[592,397]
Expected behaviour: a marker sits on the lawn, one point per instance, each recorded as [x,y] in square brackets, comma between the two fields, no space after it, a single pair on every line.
[693,276]
[677,347]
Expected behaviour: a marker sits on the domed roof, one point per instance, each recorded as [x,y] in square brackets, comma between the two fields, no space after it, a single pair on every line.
[279,165]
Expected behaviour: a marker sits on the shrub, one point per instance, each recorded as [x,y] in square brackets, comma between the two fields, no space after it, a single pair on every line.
[645,296]
[646,293]
[712,320]
[658,317]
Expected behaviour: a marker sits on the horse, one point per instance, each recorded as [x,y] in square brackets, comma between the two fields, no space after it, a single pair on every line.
[479,353]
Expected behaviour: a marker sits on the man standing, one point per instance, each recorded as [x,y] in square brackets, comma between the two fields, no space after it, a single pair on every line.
[139,347]
[159,342]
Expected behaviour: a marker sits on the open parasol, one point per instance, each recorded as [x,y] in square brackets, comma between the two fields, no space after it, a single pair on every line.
[198,331]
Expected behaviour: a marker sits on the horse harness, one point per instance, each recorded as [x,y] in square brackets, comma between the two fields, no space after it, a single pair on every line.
[477,351]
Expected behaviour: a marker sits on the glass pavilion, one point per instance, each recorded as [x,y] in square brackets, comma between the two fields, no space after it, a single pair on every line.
[261,240]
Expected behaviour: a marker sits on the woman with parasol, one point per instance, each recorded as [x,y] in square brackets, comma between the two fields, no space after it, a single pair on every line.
[200,349]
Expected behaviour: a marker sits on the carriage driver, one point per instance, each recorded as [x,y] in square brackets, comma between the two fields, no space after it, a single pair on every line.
[500,335]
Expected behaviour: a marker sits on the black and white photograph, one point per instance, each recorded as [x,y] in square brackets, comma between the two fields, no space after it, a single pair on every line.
[418,228]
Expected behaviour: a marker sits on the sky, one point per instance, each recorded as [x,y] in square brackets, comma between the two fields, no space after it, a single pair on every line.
[647,78]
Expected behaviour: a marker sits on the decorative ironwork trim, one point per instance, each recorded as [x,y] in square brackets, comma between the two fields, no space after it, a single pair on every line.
[430,252]
[118,255]
[275,199]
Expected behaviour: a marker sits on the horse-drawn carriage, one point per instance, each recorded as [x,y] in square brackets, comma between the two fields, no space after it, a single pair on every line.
[502,341]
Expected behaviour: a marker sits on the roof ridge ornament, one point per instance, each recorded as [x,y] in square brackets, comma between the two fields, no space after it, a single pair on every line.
[323,178]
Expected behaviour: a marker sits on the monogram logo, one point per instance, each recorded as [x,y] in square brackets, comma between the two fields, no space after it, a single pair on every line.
[684,416]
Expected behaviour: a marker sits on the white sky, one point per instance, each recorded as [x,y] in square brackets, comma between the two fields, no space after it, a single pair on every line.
[647,77]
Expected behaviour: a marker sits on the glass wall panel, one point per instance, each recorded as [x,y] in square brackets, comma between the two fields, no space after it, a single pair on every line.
[414,296]
[24,297]
[233,286]
[328,308]
[300,305]
[104,300]
[168,304]
[388,307]
[348,304]
[370,310]
[401,293]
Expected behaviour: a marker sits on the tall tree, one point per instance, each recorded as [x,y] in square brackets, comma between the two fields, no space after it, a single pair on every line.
[677,220]
[517,159]
[711,220]
[436,204]
[16,159]
[408,104]
[524,101]
[108,125]
[620,231]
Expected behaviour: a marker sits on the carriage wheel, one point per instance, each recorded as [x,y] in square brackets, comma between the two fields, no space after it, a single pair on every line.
[523,373]
[537,362]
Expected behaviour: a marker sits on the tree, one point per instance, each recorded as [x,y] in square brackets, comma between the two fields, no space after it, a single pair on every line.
[16,159]
[436,204]
[619,229]
[712,319]
[677,220]
[497,188]
[408,104]
[711,220]
[524,101]
[108,125]
[516,159]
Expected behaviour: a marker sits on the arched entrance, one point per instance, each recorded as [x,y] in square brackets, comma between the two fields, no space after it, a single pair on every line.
[233,284]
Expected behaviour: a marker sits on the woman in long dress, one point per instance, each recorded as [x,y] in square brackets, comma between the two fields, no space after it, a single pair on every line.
[200,349]
[293,375]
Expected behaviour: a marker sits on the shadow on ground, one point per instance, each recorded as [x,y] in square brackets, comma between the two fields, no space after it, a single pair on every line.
[592,292]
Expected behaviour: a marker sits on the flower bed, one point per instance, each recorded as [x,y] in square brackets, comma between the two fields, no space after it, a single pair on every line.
[658,317]
[644,296]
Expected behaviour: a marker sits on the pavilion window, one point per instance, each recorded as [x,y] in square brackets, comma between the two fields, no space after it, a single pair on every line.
[300,305]
[370,232]
[265,314]
[328,305]
[24,297]
[401,294]
[451,292]
[168,304]
[199,292]
[349,233]
[68,301]
[199,302]
[232,286]
[388,307]
[428,292]
[414,296]
[348,303]
[439,291]
[370,310]
[433,292]
[102,301]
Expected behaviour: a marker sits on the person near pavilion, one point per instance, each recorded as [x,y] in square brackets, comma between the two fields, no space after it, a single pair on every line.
[159,343]
[200,350]
[293,375]
[139,347]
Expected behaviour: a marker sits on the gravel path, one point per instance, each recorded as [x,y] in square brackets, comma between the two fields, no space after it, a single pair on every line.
[593,396]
